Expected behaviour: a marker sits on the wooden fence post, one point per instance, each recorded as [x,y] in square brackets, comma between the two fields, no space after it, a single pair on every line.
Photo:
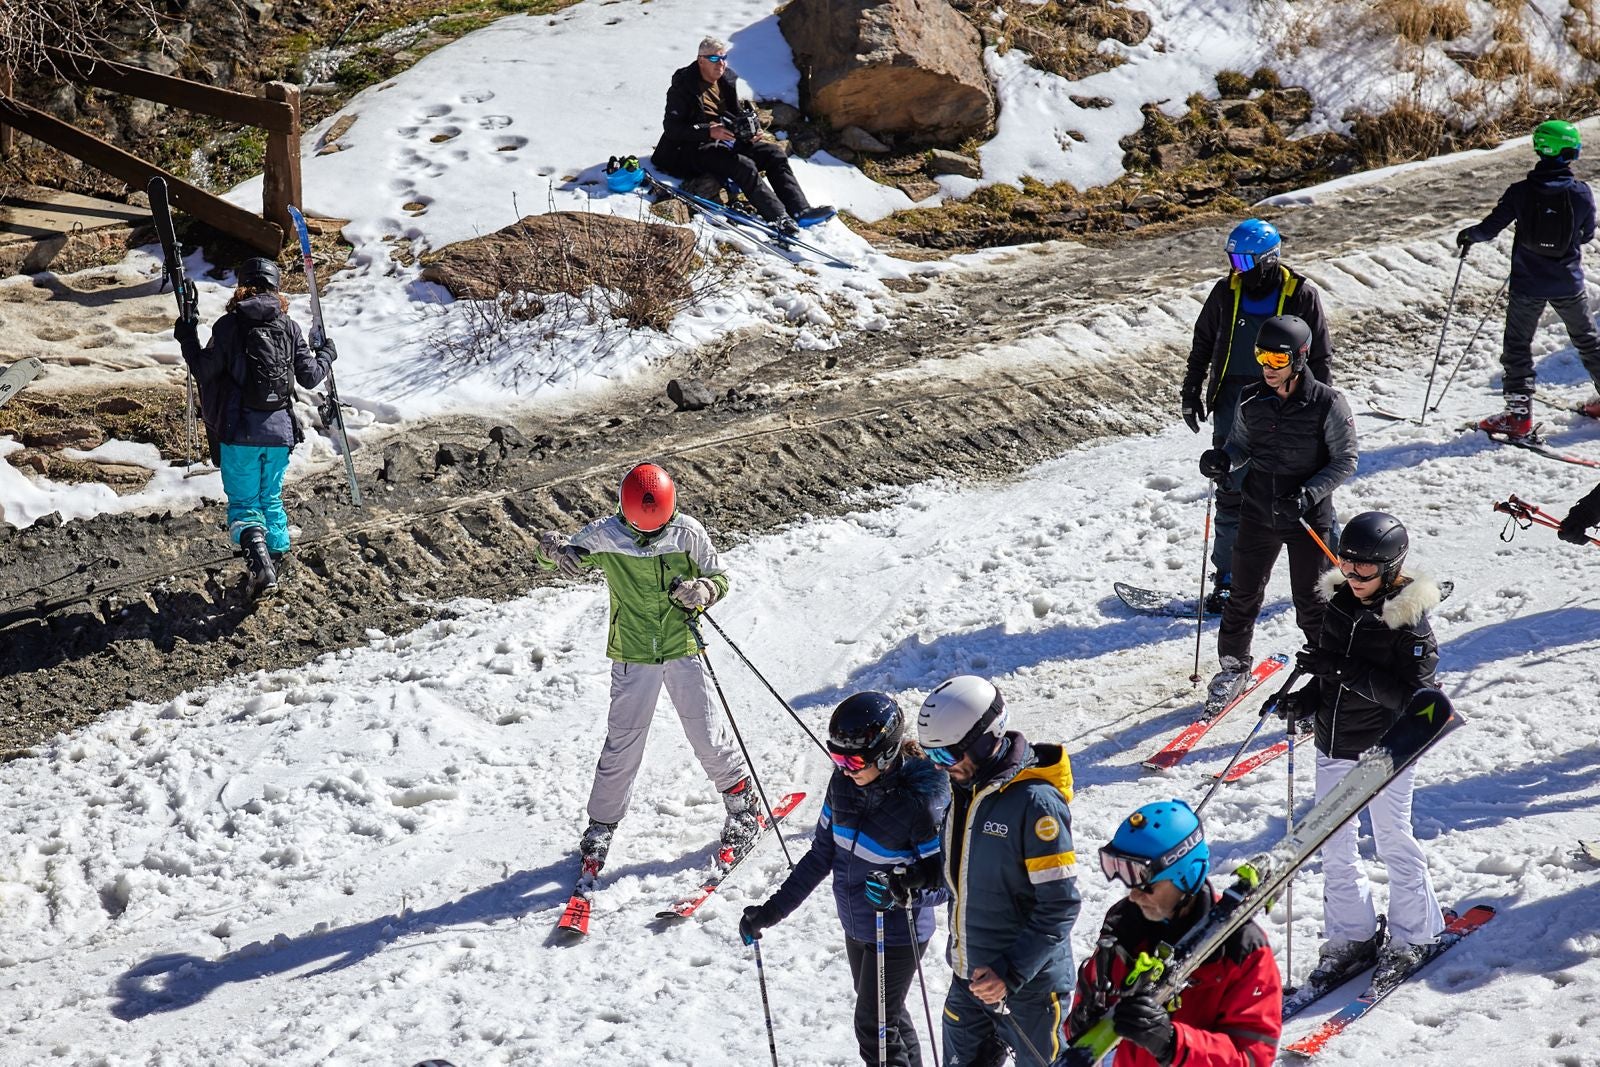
[280,186]
[8,136]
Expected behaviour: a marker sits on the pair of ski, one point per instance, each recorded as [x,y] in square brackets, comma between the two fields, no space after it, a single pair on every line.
[1456,928]
[574,920]
[1174,751]
[183,288]
[734,221]
[1428,716]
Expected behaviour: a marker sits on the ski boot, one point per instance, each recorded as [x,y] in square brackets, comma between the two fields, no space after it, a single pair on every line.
[1398,959]
[1217,599]
[1515,421]
[1590,407]
[593,848]
[263,576]
[743,822]
[1341,961]
[1227,684]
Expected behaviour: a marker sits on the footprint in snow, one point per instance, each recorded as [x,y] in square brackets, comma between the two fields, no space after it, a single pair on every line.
[476,96]
[494,122]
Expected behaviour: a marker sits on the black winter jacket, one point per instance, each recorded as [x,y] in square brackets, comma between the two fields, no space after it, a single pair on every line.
[1213,332]
[893,820]
[685,124]
[220,369]
[1305,442]
[1532,274]
[1390,652]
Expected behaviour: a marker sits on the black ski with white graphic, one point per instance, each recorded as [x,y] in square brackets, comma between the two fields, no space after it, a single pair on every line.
[18,375]
[330,410]
[1534,443]
[1153,602]
[1428,716]
[188,303]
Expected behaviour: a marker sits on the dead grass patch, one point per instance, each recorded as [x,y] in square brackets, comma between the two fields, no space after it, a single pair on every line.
[1061,37]
[1421,21]
[1582,29]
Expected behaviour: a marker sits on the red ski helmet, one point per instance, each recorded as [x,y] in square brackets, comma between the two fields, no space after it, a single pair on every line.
[647,500]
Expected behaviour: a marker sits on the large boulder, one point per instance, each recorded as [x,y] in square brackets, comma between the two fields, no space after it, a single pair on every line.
[912,68]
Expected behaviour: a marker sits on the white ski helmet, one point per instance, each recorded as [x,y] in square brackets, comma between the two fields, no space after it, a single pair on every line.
[959,712]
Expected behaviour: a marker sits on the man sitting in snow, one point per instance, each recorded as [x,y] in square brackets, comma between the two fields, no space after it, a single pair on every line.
[705,132]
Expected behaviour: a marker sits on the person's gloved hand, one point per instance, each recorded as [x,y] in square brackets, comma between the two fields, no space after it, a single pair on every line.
[1320,662]
[1138,1018]
[185,331]
[553,548]
[1214,463]
[1584,514]
[325,347]
[694,593]
[755,919]
[894,888]
[1464,238]
[1194,409]
[1296,710]
[1291,508]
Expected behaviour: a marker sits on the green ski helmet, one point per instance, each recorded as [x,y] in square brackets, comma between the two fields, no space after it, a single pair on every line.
[1557,138]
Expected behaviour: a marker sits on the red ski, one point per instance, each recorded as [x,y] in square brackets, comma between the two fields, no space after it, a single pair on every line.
[1180,746]
[1266,755]
[686,906]
[575,918]
[1456,927]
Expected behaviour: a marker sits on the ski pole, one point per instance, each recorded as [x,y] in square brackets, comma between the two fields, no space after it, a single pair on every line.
[1266,709]
[1200,605]
[761,792]
[766,1005]
[706,615]
[1288,887]
[1326,551]
[1461,261]
[1471,341]
[883,1007]
[1027,1043]
[927,1008]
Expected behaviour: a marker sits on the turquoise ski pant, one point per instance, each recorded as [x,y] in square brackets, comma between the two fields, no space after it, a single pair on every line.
[252,476]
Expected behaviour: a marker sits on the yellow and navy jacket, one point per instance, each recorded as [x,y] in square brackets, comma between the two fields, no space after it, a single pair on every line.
[1011,869]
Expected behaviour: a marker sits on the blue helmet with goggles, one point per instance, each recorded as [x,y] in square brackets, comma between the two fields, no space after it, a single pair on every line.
[1161,842]
[1253,250]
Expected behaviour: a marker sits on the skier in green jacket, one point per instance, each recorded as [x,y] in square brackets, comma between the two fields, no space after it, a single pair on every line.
[642,550]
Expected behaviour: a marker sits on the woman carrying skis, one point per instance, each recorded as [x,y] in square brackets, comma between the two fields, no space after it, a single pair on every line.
[246,374]
[879,835]
[1375,650]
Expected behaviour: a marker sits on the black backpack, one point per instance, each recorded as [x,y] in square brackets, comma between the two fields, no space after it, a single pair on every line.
[1545,227]
[268,365]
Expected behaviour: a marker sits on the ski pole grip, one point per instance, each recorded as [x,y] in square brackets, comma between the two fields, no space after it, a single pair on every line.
[1272,702]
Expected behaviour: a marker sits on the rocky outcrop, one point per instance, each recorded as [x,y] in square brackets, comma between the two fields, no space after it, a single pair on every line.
[910,68]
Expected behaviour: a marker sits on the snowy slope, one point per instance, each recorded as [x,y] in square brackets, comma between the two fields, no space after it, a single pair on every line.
[359,861]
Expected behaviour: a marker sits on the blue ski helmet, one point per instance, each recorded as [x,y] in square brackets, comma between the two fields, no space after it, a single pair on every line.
[1162,841]
[1251,243]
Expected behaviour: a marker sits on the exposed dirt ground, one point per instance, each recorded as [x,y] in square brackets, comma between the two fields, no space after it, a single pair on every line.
[970,383]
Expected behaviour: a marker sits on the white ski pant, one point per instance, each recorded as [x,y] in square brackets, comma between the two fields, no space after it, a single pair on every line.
[1347,911]
[635,689]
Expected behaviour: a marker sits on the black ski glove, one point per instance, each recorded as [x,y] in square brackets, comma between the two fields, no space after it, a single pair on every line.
[894,888]
[1290,509]
[1194,409]
[324,347]
[756,918]
[1296,709]
[1214,463]
[1321,662]
[1464,238]
[1138,1018]
[1584,514]
[186,332]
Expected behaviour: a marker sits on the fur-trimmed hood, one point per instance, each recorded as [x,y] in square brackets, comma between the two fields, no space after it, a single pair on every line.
[1417,595]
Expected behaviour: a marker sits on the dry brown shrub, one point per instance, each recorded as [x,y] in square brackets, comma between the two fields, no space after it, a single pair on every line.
[1062,37]
[1583,29]
[1420,21]
[1407,131]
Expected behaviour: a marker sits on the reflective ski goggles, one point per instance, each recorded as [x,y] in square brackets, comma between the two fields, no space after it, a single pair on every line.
[947,755]
[1275,360]
[1348,569]
[1242,261]
[847,761]
[1131,871]
[714,58]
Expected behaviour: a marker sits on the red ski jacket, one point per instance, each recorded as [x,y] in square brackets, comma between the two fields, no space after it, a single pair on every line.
[1231,1014]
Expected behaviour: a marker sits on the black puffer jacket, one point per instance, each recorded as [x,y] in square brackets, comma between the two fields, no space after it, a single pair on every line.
[1213,332]
[1305,442]
[1390,652]
[685,123]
